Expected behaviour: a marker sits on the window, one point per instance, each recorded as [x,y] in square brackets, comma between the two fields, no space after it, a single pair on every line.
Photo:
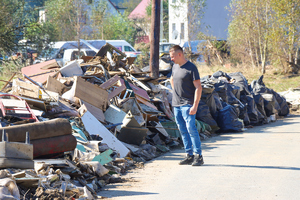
[182,31]
[128,48]
[173,27]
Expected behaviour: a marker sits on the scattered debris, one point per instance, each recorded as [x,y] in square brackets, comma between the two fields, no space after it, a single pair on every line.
[90,120]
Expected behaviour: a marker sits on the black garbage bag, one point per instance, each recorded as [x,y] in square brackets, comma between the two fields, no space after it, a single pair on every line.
[203,114]
[259,101]
[258,87]
[284,108]
[270,104]
[219,74]
[210,102]
[230,95]
[252,110]
[217,100]
[221,89]
[241,82]
[228,120]
[236,91]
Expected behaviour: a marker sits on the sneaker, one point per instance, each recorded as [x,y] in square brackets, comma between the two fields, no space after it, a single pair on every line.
[187,160]
[198,160]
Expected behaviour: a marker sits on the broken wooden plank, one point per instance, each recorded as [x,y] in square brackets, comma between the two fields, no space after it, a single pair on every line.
[12,76]
[97,112]
[117,83]
[91,93]
[143,101]
[54,85]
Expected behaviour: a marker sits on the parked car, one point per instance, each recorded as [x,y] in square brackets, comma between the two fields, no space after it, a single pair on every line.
[64,51]
[164,47]
[125,47]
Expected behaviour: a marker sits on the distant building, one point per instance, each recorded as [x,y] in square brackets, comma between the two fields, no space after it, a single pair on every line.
[214,22]
[138,14]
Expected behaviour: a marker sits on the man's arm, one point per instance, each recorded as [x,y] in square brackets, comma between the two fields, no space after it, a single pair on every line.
[172,83]
[198,93]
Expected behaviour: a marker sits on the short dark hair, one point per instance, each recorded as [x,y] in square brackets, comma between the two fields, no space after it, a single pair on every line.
[176,48]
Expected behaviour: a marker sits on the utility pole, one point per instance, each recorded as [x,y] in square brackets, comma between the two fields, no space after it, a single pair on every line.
[154,39]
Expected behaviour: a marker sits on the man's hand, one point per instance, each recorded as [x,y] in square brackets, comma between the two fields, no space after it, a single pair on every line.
[193,110]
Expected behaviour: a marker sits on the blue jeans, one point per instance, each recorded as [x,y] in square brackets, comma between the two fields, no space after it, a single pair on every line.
[187,127]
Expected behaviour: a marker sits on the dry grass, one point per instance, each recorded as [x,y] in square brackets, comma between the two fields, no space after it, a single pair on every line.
[273,79]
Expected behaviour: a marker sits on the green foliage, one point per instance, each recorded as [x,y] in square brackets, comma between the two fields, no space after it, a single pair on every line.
[265,31]
[142,60]
[119,28]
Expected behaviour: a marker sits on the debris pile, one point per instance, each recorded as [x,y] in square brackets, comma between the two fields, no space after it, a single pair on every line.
[87,122]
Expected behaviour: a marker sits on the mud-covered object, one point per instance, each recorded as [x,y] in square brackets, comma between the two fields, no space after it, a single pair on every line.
[203,114]
[241,82]
[228,120]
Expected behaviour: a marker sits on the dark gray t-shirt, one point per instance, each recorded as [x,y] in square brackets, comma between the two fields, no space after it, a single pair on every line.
[184,89]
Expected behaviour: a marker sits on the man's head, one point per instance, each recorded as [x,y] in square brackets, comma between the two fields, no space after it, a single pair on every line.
[176,54]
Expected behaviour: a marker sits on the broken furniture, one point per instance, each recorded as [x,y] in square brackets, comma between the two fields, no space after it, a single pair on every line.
[15,154]
[48,137]
[14,106]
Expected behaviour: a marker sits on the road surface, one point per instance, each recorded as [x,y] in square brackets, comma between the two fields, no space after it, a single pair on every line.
[261,163]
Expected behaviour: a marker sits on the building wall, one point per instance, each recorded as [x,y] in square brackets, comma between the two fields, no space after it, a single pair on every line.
[177,17]
[215,18]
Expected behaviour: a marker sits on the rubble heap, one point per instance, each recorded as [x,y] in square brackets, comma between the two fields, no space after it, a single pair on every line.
[87,122]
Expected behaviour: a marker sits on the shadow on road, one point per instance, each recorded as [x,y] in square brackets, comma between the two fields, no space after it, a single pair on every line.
[253,166]
[120,193]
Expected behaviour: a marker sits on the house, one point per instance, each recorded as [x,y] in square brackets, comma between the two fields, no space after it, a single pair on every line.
[139,14]
[185,21]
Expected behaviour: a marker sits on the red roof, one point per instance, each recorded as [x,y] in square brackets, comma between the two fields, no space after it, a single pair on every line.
[140,10]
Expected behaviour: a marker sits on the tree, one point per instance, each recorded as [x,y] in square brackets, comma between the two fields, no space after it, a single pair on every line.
[264,31]
[119,27]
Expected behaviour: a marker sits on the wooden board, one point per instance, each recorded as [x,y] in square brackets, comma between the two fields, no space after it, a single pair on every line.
[40,72]
[91,93]
[98,113]
[117,83]
[54,85]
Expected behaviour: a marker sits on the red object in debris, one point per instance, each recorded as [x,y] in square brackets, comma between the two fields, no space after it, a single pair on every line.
[12,105]
[53,145]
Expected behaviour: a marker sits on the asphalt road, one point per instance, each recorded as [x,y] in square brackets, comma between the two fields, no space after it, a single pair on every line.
[261,163]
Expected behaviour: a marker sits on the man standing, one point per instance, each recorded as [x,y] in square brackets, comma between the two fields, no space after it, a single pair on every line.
[187,90]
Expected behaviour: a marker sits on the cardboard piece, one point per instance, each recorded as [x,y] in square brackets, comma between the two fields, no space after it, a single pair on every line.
[94,127]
